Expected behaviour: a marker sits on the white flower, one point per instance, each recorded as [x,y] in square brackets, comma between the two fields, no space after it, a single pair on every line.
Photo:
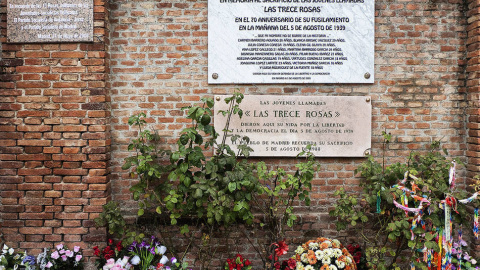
[135,260]
[2,267]
[328,252]
[313,245]
[332,267]
[10,251]
[319,254]
[299,250]
[304,258]
[160,250]
[473,261]
[337,252]
[336,242]
[125,260]
[349,260]
[309,267]
[328,243]
[164,260]
[340,264]
[299,266]
[326,260]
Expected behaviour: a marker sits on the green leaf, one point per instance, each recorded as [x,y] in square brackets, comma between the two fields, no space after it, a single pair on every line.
[140,212]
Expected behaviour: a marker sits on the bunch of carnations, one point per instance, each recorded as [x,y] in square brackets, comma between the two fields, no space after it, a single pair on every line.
[61,258]
[238,263]
[358,256]
[112,252]
[323,254]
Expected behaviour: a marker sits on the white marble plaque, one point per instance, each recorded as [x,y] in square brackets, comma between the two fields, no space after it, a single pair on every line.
[285,125]
[40,21]
[290,41]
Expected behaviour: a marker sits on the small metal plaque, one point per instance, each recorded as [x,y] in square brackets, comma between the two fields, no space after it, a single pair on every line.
[42,21]
[285,125]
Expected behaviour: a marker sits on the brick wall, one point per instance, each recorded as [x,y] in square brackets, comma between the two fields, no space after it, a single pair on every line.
[54,139]
[57,164]
[158,65]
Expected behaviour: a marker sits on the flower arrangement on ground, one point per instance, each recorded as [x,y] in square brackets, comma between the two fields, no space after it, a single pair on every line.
[358,256]
[146,255]
[112,255]
[9,260]
[64,258]
[238,263]
[323,254]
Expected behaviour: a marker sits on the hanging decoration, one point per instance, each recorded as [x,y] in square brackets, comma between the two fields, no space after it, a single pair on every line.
[443,258]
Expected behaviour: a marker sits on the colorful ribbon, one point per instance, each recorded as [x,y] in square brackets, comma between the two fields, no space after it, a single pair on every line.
[475,223]
[451,176]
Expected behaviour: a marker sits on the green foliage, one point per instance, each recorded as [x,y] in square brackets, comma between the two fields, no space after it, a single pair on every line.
[388,234]
[112,218]
[279,190]
[215,190]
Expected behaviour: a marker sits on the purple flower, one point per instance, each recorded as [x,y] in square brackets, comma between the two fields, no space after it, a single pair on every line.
[466,257]
[143,244]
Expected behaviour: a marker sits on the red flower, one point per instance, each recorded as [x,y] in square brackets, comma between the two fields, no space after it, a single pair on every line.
[96,251]
[277,265]
[282,248]
[291,263]
[159,266]
[119,246]
[247,263]
[108,253]
[110,241]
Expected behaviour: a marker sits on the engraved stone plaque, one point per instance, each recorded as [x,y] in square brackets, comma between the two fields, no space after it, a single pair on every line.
[42,21]
[336,126]
[290,41]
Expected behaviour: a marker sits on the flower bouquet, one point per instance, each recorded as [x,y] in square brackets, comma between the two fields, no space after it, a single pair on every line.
[323,254]
[112,254]
[62,258]
[9,260]
[148,252]
[239,263]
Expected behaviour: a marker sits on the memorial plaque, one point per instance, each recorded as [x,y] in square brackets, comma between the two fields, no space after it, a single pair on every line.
[41,21]
[285,125]
[290,41]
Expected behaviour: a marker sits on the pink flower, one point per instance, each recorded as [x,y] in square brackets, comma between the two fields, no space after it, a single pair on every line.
[55,255]
[49,264]
[59,246]
[61,251]
[64,258]
[76,248]
[69,253]
[78,258]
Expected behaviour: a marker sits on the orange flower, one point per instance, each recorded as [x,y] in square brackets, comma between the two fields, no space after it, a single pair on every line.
[342,258]
[323,246]
[312,259]
[298,258]
[325,267]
